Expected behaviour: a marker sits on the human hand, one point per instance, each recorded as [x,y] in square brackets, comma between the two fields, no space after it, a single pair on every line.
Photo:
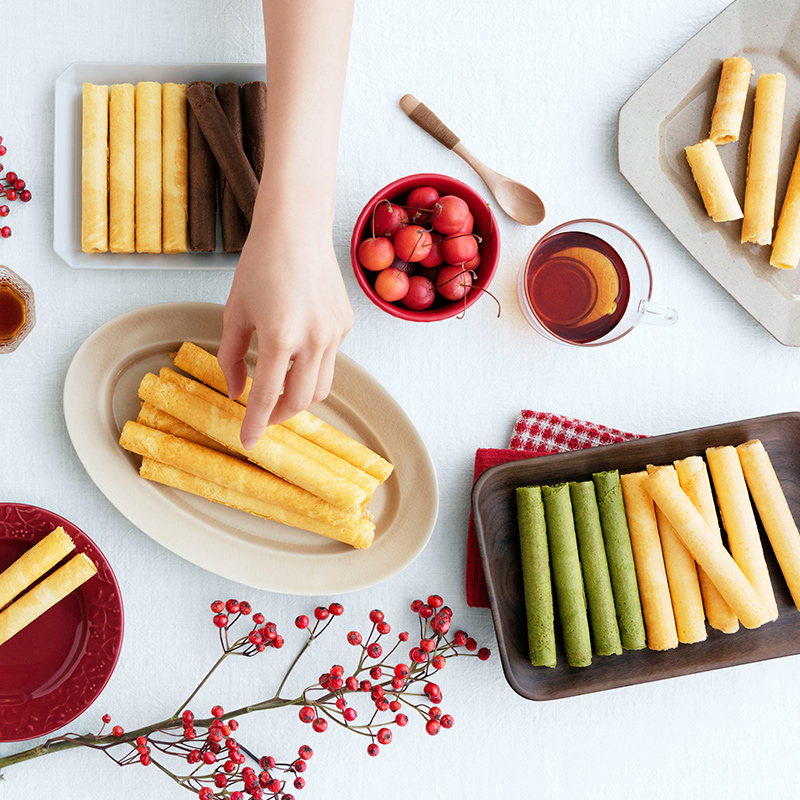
[288,289]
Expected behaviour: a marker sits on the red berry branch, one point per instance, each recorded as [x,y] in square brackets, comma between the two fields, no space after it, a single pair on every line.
[203,756]
[13,188]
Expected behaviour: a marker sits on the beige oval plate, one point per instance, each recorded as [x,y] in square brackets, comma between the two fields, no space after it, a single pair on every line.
[100,394]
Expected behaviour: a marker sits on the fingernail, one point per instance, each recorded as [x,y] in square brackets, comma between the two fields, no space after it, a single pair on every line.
[249,444]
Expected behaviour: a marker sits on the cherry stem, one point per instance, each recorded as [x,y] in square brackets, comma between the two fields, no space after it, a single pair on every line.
[202,682]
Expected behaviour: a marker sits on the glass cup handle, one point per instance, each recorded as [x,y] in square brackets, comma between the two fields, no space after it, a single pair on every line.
[657,314]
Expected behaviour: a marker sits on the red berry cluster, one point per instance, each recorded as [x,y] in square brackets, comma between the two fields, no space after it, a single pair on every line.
[259,638]
[13,187]
[391,684]
[423,248]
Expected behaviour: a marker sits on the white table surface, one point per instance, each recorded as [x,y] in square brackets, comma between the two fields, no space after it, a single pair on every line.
[533,89]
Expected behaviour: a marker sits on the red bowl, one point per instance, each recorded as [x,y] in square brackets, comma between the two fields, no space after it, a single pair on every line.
[485,226]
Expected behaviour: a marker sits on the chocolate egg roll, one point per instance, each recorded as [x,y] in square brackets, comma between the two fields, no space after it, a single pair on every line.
[567,578]
[224,426]
[254,124]
[205,367]
[202,188]
[536,577]
[596,579]
[234,225]
[621,566]
[227,150]
[45,595]
[34,563]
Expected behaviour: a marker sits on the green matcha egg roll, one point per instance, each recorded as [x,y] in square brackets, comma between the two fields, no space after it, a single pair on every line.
[596,579]
[567,576]
[620,559]
[536,577]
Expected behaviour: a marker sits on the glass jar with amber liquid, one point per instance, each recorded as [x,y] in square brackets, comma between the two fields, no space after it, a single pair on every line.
[17,314]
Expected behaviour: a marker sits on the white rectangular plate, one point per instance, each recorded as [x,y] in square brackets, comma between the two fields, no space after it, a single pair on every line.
[67,155]
[672,109]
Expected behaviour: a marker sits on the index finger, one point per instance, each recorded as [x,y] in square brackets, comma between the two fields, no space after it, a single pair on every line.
[268,378]
[233,348]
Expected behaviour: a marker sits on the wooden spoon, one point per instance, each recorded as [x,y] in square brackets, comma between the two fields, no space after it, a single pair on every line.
[518,201]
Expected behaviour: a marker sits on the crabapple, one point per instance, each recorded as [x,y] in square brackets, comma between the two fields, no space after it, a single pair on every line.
[453,282]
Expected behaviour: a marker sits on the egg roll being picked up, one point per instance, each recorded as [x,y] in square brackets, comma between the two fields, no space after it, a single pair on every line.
[205,367]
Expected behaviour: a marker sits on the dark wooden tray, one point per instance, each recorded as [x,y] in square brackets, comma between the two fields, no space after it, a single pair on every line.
[495,516]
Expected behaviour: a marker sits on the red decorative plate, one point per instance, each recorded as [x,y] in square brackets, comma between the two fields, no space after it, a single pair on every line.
[55,668]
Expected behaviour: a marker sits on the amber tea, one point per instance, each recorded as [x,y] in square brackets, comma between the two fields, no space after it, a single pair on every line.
[577,286]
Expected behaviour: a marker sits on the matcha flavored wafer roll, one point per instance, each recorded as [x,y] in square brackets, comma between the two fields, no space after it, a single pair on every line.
[536,577]
[620,559]
[596,579]
[567,576]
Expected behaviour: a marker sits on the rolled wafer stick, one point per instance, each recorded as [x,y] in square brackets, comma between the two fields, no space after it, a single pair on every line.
[594,565]
[45,595]
[148,167]
[175,168]
[121,169]
[620,559]
[684,585]
[359,536]
[776,517]
[34,563]
[205,367]
[762,160]
[693,478]
[94,169]
[231,472]
[224,426]
[254,124]
[786,247]
[740,524]
[154,418]
[567,578]
[338,466]
[659,618]
[726,118]
[234,225]
[202,188]
[713,182]
[232,161]
[536,577]
[706,550]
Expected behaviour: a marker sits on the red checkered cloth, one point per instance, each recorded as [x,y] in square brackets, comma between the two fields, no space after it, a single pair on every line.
[535,434]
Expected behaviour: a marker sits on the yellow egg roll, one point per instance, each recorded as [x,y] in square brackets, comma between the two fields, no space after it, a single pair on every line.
[121,169]
[786,247]
[154,418]
[34,563]
[684,585]
[224,426]
[148,167]
[234,473]
[726,118]
[762,160]
[713,182]
[360,535]
[94,169]
[45,595]
[706,549]
[693,478]
[659,618]
[744,540]
[774,511]
[205,367]
[175,168]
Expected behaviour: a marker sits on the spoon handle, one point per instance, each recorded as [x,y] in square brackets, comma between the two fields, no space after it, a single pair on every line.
[428,121]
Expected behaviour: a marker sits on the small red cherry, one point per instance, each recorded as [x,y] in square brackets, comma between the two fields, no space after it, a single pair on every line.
[19,184]
[25,196]
[11,177]
[11,195]
[118,731]
[4,210]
